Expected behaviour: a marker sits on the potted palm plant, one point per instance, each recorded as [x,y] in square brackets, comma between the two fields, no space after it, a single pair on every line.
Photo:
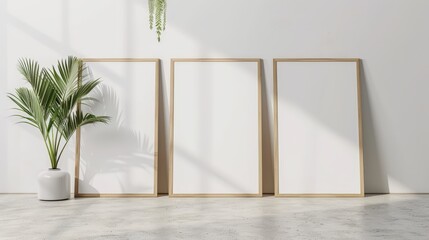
[50,104]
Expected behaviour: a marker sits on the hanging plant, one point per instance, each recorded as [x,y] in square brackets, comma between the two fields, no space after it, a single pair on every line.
[157,16]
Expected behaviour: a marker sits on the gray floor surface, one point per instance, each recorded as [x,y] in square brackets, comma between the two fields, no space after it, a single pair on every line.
[22,216]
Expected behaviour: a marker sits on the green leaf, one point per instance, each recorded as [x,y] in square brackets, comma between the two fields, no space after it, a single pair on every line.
[50,104]
[158,13]
[151,11]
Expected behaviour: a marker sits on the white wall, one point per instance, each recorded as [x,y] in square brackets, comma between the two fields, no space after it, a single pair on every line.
[391,36]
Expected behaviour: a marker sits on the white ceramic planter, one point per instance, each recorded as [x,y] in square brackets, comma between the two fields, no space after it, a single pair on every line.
[54,184]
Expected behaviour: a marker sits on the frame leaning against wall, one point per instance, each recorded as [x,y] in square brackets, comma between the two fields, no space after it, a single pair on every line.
[276,133]
[78,131]
[171,143]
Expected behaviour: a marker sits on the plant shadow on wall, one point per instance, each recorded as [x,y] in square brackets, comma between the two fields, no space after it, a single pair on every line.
[113,151]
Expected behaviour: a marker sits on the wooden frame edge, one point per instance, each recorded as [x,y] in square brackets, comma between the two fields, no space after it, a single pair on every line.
[316,59]
[360,127]
[260,133]
[115,195]
[275,134]
[77,147]
[171,132]
[171,143]
[211,195]
[216,59]
[346,195]
[120,59]
[156,135]
[276,145]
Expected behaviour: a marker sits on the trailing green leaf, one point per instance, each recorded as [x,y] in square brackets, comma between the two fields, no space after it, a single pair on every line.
[151,12]
[164,22]
[157,16]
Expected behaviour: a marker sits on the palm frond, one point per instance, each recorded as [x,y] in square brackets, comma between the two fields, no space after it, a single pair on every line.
[28,103]
[37,79]
[51,103]
[79,119]
[64,77]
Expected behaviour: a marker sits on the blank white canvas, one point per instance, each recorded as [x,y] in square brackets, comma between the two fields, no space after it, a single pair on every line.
[318,128]
[216,141]
[118,158]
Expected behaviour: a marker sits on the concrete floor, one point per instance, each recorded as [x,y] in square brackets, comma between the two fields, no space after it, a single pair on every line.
[373,217]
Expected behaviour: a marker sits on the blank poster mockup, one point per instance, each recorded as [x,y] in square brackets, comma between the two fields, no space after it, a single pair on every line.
[120,158]
[318,146]
[215,127]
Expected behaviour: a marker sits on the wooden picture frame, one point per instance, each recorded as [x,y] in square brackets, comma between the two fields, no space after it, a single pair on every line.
[356,61]
[172,127]
[77,194]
